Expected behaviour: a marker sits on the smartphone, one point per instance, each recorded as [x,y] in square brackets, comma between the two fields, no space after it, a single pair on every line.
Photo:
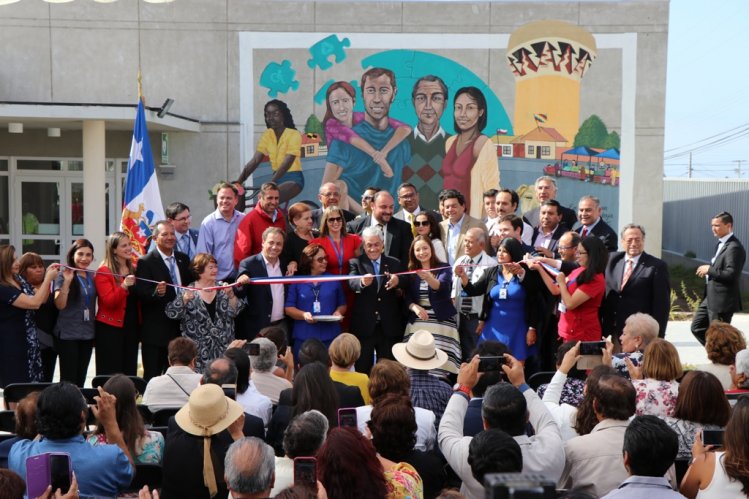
[253,349]
[592,347]
[305,472]
[491,363]
[712,437]
[52,468]
[230,391]
[347,417]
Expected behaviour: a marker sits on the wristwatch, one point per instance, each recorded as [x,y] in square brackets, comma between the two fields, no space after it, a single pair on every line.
[462,389]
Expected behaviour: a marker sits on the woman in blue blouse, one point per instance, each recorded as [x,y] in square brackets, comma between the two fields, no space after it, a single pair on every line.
[305,300]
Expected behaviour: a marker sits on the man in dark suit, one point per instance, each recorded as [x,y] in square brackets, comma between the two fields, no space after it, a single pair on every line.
[545,238]
[635,282]
[397,233]
[723,276]
[165,266]
[545,189]
[329,195]
[376,320]
[266,301]
[591,224]
[409,201]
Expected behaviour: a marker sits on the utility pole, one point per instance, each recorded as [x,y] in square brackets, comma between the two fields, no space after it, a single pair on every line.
[689,168]
[738,166]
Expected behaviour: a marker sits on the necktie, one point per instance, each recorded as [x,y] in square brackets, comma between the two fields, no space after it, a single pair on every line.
[377,272]
[384,235]
[585,232]
[466,302]
[184,245]
[411,221]
[172,269]
[627,273]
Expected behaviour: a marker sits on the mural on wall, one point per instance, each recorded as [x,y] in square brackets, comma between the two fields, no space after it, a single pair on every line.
[436,120]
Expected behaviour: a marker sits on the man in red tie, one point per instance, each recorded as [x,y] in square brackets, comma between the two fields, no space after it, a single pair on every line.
[591,224]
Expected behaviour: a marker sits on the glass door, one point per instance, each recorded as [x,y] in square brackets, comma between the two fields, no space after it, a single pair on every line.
[38,201]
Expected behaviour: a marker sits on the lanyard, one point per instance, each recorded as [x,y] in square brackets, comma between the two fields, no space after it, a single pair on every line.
[85,289]
[338,252]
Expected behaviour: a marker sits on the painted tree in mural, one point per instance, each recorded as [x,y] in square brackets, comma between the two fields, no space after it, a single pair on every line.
[593,133]
[313,125]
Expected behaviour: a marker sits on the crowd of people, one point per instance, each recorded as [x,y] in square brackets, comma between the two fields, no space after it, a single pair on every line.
[389,349]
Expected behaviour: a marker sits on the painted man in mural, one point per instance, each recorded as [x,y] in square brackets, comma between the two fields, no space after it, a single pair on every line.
[427,141]
[355,168]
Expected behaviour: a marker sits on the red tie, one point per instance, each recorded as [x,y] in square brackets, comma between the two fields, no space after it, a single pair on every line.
[627,273]
[585,232]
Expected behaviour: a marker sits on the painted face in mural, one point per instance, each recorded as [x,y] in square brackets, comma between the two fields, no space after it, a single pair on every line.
[378,94]
[273,117]
[429,102]
[467,112]
[342,106]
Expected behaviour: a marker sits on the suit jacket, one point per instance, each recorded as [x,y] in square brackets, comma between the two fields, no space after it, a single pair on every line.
[398,239]
[468,223]
[569,217]
[157,328]
[605,233]
[317,215]
[723,290]
[374,300]
[259,298]
[440,299]
[555,236]
[648,290]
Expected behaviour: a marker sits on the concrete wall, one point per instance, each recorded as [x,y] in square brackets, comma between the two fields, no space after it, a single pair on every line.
[189,50]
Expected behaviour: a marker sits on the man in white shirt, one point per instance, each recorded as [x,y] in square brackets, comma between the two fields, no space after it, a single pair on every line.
[456,225]
[173,389]
[262,375]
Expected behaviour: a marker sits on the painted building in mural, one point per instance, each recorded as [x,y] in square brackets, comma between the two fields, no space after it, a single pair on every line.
[571,89]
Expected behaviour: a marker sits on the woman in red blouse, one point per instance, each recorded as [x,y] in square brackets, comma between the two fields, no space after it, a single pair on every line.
[581,292]
[339,247]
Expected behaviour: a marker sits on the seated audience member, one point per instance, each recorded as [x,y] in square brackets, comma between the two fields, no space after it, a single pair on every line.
[594,461]
[146,446]
[278,336]
[12,485]
[420,355]
[722,343]
[572,390]
[197,441]
[472,423]
[314,350]
[249,469]
[740,374]
[722,473]
[25,427]
[223,372]
[494,451]
[649,449]
[348,466]
[655,382]
[389,377]
[173,388]
[253,401]
[700,404]
[263,365]
[313,389]
[103,470]
[344,352]
[507,407]
[393,429]
[639,330]
[303,437]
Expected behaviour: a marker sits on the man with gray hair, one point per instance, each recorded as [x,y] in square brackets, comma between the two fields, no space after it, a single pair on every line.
[592,224]
[303,437]
[262,375]
[739,374]
[249,469]
[476,262]
[376,319]
[545,189]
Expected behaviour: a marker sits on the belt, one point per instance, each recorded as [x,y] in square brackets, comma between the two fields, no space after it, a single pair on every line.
[469,316]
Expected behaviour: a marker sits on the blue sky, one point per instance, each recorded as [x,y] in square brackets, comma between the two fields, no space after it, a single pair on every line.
[707,89]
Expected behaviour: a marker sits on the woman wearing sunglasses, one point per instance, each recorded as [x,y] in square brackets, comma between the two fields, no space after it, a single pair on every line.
[426,225]
[339,248]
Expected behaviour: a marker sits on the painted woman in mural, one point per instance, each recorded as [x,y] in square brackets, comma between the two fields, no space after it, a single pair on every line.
[470,164]
[339,119]
[282,143]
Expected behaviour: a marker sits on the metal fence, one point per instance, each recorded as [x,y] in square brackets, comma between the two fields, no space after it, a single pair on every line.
[690,204]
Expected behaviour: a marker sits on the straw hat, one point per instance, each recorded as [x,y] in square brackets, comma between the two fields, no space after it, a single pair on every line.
[208,412]
[419,352]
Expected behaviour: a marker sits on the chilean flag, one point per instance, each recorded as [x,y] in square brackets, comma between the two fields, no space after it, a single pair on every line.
[142,202]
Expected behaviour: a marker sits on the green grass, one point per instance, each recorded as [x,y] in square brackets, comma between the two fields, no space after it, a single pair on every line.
[689,287]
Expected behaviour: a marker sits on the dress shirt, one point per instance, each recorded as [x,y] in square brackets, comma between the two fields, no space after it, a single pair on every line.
[163,392]
[419,135]
[269,384]
[627,259]
[453,234]
[256,403]
[637,487]
[429,392]
[589,228]
[384,229]
[721,243]
[543,240]
[217,238]
[483,263]
[185,244]
[171,265]
[276,290]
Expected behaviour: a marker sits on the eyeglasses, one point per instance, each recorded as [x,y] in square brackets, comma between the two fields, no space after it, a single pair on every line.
[183,219]
[420,223]
[330,194]
[335,219]
[367,198]
[321,259]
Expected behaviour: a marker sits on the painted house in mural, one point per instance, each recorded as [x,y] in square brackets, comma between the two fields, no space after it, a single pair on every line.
[310,145]
[540,143]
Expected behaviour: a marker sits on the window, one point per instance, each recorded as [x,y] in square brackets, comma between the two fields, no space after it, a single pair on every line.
[531,150]
[545,151]
[506,150]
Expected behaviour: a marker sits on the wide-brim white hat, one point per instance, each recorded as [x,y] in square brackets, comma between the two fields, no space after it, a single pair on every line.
[420,352]
[208,411]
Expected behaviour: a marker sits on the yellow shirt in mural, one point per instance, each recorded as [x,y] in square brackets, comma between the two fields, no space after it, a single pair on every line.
[276,150]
